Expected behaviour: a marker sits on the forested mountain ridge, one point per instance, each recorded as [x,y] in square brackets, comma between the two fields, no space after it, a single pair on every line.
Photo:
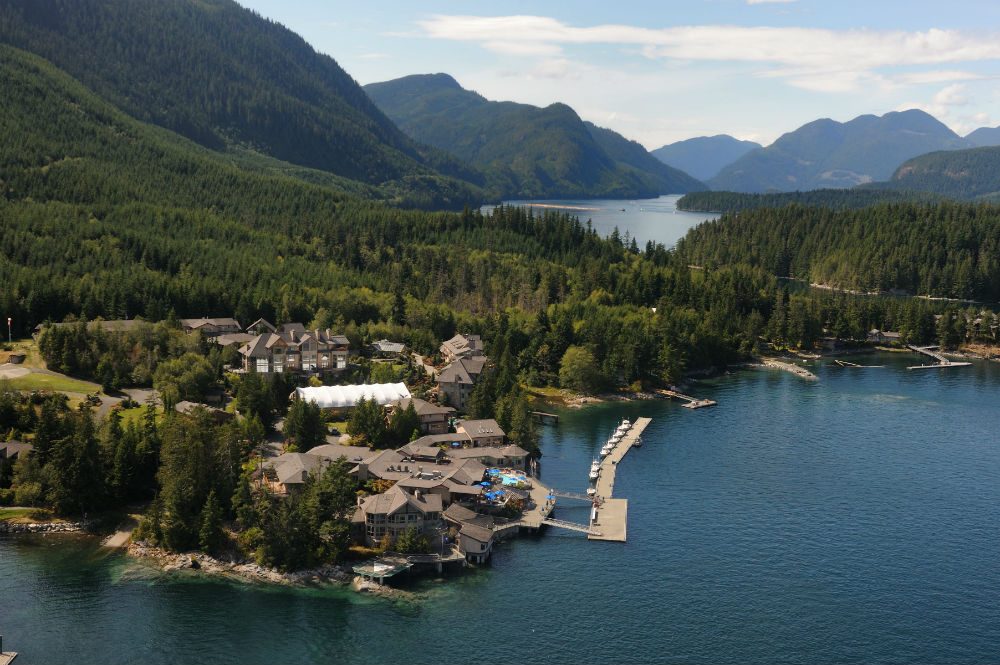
[961,174]
[228,79]
[526,151]
[704,156]
[829,154]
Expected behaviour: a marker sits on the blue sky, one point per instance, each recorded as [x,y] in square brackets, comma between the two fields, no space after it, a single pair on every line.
[659,72]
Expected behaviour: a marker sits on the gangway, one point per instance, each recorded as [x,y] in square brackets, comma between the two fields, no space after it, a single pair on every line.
[572,526]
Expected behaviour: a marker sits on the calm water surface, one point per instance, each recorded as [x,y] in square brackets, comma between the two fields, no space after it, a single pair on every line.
[854,520]
[657,219]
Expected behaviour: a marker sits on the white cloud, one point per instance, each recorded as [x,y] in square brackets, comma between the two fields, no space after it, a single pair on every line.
[808,58]
[522,48]
[769,2]
[951,105]
[373,56]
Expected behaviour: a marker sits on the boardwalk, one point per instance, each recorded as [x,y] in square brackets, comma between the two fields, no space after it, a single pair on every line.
[611,515]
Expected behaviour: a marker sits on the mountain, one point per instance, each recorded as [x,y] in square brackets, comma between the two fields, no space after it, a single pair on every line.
[960,174]
[983,137]
[632,153]
[829,154]
[526,151]
[704,156]
[228,79]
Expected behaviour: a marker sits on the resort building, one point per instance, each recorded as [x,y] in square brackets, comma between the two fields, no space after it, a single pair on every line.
[210,328]
[876,336]
[292,348]
[462,346]
[433,418]
[386,349]
[481,432]
[455,381]
[476,532]
[395,512]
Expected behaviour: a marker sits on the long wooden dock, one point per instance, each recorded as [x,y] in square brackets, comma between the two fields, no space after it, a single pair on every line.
[7,657]
[610,515]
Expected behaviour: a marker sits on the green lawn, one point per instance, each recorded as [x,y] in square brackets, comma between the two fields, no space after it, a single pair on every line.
[136,415]
[58,383]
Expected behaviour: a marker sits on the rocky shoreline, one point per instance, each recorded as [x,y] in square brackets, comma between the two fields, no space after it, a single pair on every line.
[42,527]
[245,571]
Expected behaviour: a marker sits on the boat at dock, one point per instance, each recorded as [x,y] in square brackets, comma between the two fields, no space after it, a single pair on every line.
[595,470]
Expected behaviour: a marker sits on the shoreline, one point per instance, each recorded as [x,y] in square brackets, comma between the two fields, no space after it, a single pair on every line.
[334,575]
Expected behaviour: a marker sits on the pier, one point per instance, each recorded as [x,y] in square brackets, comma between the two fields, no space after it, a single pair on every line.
[941,360]
[689,402]
[610,515]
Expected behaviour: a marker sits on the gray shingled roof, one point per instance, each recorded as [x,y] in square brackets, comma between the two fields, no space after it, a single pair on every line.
[463,370]
[478,533]
[423,407]
[486,427]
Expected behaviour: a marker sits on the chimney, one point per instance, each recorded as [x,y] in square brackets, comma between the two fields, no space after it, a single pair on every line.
[418,494]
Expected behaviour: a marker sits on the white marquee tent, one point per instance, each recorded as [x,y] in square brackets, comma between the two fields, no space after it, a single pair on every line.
[340,397]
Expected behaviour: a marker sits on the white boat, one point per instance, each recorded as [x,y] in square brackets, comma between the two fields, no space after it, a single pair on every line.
[591,491]
[638,443]
[606,450]
[595,470]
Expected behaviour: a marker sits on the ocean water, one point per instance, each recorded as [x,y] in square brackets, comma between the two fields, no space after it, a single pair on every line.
[851,520]
[656,219]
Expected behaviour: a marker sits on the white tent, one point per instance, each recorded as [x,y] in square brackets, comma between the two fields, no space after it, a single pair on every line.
[339,397]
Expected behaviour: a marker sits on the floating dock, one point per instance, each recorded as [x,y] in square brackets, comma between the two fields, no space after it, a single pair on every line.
[941,360]
[7,657]
[610,515]
[689,402]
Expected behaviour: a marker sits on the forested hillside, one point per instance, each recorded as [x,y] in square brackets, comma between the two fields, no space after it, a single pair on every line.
[526,151]
[829,154]
[948,250]
[960,174]
[229,79]
[836,199]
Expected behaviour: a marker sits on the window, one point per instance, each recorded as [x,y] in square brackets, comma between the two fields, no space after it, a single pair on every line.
[262,365]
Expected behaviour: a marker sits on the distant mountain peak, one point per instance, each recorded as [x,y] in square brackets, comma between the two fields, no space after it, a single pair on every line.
[827,153]
[704,156]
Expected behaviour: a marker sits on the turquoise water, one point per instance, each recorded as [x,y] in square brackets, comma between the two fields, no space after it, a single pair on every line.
[856,519]
[646,219]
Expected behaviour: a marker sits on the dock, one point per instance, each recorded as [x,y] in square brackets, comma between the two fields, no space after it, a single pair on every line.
[689,402]
[7,657]
[941,360]
[610,515]
[543,417]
